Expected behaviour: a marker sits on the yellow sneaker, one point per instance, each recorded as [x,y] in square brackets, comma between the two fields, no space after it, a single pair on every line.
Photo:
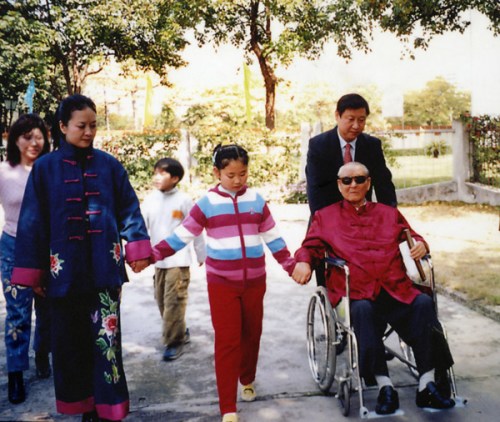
[248,392]
[230,417]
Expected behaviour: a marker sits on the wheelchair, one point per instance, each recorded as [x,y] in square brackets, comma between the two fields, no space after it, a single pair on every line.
[333,350]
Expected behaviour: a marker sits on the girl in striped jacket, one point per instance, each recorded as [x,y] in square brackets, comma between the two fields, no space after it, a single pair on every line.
[236,220]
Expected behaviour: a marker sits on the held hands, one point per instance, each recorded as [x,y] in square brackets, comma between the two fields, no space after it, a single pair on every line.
[418,251]
[139,265]
[301,273]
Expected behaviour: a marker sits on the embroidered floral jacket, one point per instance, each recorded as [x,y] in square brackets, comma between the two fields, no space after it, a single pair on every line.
[78,207]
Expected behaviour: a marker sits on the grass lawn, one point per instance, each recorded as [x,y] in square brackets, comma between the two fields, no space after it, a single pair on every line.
[420,170]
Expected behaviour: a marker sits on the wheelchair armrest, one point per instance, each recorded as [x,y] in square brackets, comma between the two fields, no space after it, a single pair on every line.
[336,262]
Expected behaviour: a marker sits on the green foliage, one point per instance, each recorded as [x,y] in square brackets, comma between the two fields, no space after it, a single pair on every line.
[436,148]
[484,138]
[138,152]
[115,121]
[60,43]
[437,104]
[23,56]
[274,157]
[274,32]
[167,119]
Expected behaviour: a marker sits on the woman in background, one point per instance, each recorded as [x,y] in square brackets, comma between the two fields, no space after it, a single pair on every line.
[27,140]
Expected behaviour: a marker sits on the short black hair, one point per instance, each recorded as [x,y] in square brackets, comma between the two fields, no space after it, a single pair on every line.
[25,124]
[65,110]
[223,155]
[352,101]
[172,166]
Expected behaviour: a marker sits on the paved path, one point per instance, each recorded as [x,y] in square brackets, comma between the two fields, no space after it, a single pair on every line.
[184,390]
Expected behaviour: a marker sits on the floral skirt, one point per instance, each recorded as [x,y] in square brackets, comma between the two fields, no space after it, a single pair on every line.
[87,355]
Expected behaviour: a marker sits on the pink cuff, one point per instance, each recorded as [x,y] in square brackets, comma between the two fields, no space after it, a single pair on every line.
[302,255]
[140,249]
[74,408]
[160,251]
[31,277]
[113,412]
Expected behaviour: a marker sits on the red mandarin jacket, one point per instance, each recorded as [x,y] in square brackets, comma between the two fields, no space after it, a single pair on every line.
[368,240]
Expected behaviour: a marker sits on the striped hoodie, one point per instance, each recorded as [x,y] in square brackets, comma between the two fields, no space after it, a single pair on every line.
[235,227]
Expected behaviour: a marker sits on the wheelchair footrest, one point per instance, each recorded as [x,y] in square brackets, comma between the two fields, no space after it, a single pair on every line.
[373,415]
[459,402]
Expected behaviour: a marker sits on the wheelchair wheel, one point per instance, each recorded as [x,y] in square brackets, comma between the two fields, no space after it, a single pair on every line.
[344,395]
[320,339]
[409,357]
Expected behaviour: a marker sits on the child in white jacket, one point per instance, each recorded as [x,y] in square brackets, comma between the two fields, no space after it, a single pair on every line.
[163,210]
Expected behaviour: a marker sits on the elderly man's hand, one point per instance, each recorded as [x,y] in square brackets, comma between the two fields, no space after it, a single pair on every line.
[419,250]
[302,273]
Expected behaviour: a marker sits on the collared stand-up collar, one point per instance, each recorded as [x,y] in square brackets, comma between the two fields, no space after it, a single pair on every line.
[71,151]
[224,192]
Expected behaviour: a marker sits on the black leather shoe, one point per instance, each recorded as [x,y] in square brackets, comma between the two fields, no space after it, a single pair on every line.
[17,394]
[42,365]
[443,383]
[387,401]
[431,397]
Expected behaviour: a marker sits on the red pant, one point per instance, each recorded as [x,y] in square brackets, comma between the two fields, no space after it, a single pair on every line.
[237,314]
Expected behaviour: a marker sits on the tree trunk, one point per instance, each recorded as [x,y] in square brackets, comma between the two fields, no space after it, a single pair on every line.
[267,71]
[270,84]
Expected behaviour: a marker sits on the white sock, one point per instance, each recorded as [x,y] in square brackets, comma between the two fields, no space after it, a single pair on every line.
[425,379]
[383,381]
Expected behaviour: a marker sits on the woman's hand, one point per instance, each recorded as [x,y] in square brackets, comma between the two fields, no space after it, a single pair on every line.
[139,265]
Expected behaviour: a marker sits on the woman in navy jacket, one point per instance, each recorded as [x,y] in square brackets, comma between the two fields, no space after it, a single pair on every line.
[77,208]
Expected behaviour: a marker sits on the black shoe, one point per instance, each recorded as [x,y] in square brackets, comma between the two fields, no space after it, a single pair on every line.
[431,397]
[387,401]
[90,417]
[443,382]
[42,365]
[173,352]
[17,394]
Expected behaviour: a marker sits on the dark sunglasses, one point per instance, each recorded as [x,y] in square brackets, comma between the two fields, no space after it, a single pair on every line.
[358,179]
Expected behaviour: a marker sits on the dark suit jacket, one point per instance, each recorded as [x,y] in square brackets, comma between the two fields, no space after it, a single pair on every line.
[324,158]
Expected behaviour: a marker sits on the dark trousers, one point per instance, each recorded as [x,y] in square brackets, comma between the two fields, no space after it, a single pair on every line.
[416,324]
[87,356]
[41,342]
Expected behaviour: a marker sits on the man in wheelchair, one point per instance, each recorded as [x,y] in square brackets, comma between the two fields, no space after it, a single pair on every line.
[367,236]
